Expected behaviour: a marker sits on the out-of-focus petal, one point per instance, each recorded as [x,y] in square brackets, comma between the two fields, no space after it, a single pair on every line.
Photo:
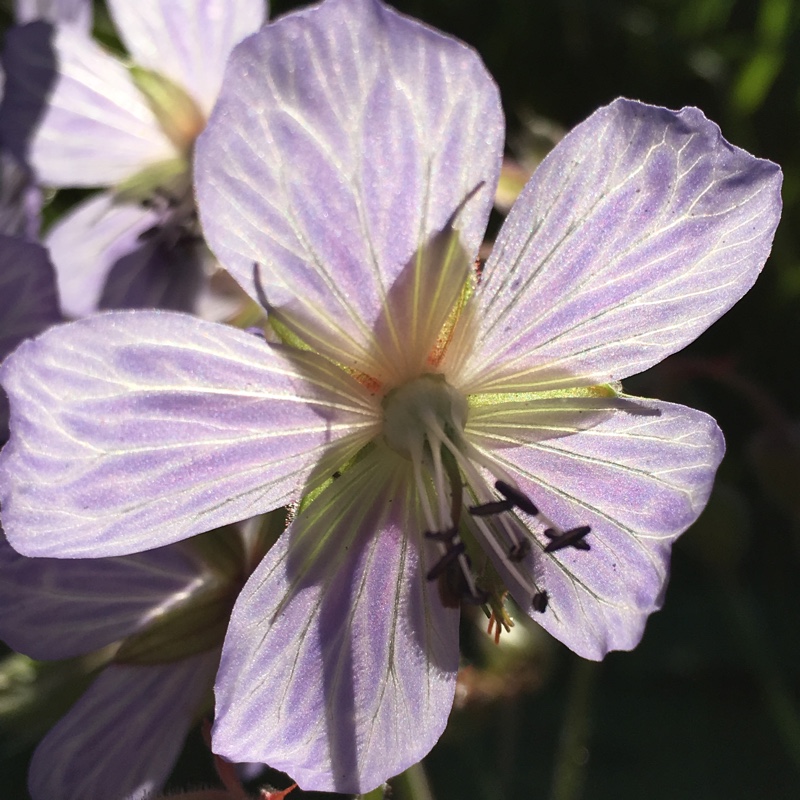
[131,430]
[636,232]
[120,741]
[28,297]
[332,179]
[87,122]
[188,41]
[160,273]
[58,608]
[60,12]
[28,300]
[340,661]
[20,200]
[639,481]
[87,243]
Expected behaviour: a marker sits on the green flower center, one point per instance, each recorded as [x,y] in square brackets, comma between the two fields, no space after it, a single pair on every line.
[419,416]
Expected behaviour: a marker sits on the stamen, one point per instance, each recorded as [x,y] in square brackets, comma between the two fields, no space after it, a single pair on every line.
[494,623]
[456,549]
[519,550]
[478,597]
[489,509]
[518,498]
[459,585]
[539,601]
[571,538]
[441,536]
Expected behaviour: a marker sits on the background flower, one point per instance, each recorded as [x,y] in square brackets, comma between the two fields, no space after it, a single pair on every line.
[155,623]
[137,243]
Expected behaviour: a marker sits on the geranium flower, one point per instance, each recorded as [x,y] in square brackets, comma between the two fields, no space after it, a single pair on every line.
[153,624]
[82,117]
[448,432]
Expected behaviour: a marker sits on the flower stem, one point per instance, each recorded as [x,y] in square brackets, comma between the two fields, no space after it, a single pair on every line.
[569,773]
[412,784]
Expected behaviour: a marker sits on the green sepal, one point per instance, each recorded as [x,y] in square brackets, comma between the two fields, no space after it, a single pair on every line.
[176,112]
[169,178]
[221,550]
[196,626]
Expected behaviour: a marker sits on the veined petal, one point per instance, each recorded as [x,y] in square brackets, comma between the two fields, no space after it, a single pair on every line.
[68,94]
[639,482]
[120,741]
[57,608]
[86,243]
[131,430]
[340,661]
[188,41]
[59,12]
[639,230]
[332,180]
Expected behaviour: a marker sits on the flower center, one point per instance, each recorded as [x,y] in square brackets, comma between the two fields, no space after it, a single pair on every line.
[424,420]
[416,414]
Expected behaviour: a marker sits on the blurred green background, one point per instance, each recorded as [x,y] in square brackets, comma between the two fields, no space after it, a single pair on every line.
[708,706]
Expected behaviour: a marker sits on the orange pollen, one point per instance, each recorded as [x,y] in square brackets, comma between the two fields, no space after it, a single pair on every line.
[373,385]
[494,622]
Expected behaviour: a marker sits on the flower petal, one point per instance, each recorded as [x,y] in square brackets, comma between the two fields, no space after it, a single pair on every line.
[638,231]
[120,741]
[57,608]
[131,430]
[340,661]
[59,12]
[160,273]
[28,300]
[639,481]
[64,94]
[332,180]
[112,254]
[86,243]
[188,41]
[20,200]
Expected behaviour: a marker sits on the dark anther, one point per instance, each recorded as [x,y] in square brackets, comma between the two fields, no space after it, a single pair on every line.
[515,496]
[442,536]
[487,509]
[452,553]
[519,550]
[571,538]
[540,600]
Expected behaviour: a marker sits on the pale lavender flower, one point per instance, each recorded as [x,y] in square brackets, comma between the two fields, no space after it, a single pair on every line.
[158,619]
[345,179]
[82,117]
